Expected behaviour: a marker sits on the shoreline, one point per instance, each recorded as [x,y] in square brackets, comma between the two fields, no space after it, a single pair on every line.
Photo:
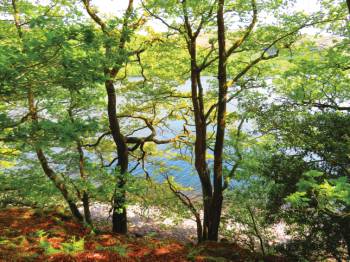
[149,222]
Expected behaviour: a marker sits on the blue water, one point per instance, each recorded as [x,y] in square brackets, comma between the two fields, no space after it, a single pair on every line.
[168,163]
[183,171]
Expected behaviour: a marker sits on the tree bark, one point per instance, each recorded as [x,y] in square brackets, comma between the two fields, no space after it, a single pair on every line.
[59,185]
[201,139]
[47,169]
[212,193]
[119,216]
[216,203]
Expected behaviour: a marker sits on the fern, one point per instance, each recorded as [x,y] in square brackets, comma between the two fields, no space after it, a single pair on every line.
[48,248]
[72,247]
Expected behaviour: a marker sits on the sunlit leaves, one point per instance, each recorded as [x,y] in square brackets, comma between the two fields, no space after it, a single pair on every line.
[331,195]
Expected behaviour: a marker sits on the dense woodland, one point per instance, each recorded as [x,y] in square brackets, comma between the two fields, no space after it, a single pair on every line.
[250,99]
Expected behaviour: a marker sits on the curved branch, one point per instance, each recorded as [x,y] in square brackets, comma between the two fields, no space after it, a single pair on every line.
[94,16]
[160,19]
[240,41]
[98,140]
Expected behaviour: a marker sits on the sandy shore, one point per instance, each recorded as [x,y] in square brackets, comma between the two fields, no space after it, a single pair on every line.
[149,222]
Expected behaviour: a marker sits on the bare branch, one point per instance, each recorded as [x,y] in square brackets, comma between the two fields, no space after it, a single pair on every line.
[189,204]
[98,140]
[111,163]
[160,19]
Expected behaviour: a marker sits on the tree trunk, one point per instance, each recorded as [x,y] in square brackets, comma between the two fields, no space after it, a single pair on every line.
[199,229]
[59,185]
[256,229]
[200,142]
[119,217]
[216,203]
[86,205]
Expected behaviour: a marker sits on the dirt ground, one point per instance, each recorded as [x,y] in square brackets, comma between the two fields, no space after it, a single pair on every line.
[36,235]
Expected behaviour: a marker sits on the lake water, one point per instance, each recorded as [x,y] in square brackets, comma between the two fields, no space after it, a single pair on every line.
[168,163]
[183,171]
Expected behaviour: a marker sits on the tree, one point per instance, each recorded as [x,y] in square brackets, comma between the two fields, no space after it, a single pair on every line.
[117,56]
[198,20]
[32,116]
[308,119]
[43,69]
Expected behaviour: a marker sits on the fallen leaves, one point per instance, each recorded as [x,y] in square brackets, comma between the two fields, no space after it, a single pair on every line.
[23,232]
[31,235]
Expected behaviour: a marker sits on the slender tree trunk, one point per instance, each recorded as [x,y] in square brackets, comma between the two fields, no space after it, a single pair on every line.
[348,3]
[199,229]
[17,19]
[46,168]
[59,185]
[216,204]
[257,232]
[119,216]
[200,142]
[86,205]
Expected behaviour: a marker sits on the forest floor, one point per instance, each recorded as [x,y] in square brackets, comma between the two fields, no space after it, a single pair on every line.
[36,235]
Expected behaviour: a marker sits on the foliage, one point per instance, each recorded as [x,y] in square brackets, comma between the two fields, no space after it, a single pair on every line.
[332,196]
[71,247]
[286,148]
